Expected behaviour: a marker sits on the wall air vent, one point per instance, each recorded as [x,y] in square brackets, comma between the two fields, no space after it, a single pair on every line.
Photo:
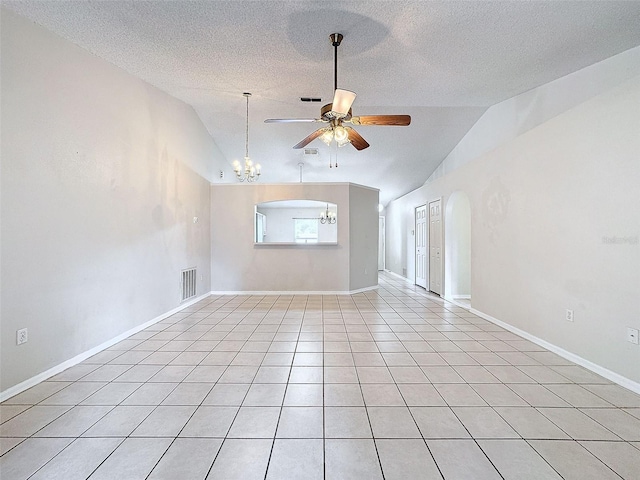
[188,283]
[310,99]
[311,151]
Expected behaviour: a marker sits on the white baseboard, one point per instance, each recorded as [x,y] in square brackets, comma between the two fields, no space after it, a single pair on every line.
[397,275]
[595,368]
[22,386]
[293,292]
[454,300]
[461,297]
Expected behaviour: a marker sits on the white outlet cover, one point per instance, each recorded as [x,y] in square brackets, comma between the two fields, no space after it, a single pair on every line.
[22,336]
[569,315]
[632,335]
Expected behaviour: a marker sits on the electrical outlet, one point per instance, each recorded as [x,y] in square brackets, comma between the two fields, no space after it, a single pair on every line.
[22,336]
[632,335]
[569,315]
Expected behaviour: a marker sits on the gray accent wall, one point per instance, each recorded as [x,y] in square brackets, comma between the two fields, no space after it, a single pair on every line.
[363,237]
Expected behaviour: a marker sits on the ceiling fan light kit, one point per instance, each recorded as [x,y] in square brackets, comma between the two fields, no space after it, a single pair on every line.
[337,113]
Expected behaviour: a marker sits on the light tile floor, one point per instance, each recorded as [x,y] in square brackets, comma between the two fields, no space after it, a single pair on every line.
[394,383]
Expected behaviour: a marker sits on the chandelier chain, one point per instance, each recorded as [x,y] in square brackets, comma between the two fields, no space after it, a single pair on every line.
[246,143]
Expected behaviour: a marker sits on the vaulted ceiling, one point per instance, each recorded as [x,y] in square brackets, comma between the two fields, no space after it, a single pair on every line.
[442,62]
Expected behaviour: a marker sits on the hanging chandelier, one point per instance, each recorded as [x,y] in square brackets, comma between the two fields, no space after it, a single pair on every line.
[328,217]
[250,172]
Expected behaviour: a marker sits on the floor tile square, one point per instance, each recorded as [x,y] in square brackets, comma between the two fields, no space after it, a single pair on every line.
[374,375]
[404,459]
[343,395]
[265,395]
[187,458]
[296,458]
[305,375]
[301,422]
[303,395]
[517,460]
[134,458]
[150,394]
[210,421]
[462,459]
[438,422]
[530,423]
[119,422]
[241,459]
[340,375]
[484,422]
[392,422]
[164,421]
[346,422]
[355,459]
[255,422]
[383,394]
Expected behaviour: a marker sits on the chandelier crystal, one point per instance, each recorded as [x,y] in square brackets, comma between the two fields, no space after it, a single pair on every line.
[250,172]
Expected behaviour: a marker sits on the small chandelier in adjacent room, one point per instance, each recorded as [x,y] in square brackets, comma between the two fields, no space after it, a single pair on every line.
[328,217]
[251,172]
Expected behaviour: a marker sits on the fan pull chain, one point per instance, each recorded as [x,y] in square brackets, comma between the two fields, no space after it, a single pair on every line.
[333,153]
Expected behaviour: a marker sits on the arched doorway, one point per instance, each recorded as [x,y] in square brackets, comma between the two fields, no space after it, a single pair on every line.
[457,238]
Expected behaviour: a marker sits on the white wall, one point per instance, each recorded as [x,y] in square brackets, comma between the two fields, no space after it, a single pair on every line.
[239,265]
[511,118]
[544,207]
[457,258]
[102,175]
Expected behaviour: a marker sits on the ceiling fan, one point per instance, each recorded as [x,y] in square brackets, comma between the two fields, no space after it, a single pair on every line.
[338,113]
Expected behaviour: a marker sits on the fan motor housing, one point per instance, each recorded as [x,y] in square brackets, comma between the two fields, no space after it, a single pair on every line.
[325,112]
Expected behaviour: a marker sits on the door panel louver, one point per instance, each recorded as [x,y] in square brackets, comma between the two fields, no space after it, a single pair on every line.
[188,283]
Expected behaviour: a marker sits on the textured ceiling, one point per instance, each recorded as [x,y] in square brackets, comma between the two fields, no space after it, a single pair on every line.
[442,62]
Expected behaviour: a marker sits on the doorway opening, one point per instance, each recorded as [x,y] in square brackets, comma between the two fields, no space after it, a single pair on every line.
[458,249]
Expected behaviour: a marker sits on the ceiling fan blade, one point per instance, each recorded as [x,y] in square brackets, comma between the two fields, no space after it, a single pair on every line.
[310,138]
[293,120]
[356,139]
[342,101]
[400,120]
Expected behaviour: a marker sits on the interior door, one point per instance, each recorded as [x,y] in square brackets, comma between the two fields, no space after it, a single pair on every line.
[435,247]
[421,246]
[381,246]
